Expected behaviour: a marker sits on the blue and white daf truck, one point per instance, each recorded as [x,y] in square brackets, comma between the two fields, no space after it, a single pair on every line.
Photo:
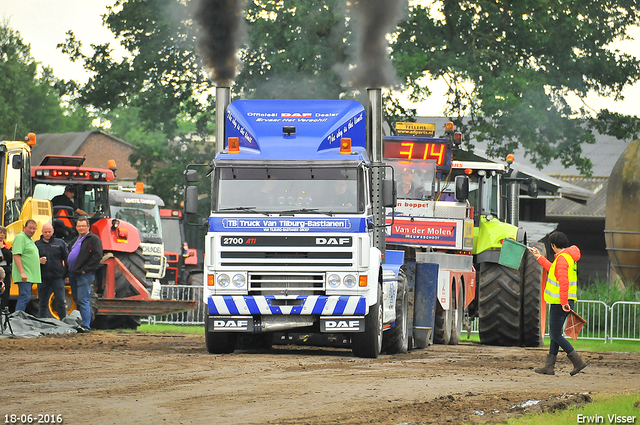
[296,234]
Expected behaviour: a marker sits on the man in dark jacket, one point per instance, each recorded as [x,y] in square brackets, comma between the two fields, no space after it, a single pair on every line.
[53,268]
[84,261]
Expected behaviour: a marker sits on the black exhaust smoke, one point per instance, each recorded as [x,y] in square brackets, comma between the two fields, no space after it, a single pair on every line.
[221,33]
[373,20]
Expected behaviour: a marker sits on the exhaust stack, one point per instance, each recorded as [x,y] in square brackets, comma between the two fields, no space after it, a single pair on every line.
[222,101]
[374,150]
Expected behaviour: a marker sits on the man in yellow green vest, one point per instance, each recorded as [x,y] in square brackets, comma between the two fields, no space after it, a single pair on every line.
[560,293]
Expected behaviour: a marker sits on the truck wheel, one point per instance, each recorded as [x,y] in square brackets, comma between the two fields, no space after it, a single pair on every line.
[499,305]
[458,317]
[443,324]
[369,343]
[532,309]
[396,339]
[219,342]
[134,261]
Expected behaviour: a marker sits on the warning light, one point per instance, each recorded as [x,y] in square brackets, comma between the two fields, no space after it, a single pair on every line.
[448,127]
[345,146]
[457,138]
[362,281]
[139,187]
[31,139]
[468,171]
[234,145]
[510,158]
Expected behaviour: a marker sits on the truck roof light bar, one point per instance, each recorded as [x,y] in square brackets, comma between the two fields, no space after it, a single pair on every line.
[234,145]
[345,146]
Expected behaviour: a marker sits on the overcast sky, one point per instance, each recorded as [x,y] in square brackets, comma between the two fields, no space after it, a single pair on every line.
[43,24]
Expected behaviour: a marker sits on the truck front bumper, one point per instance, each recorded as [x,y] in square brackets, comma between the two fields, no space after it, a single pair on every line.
[332,305]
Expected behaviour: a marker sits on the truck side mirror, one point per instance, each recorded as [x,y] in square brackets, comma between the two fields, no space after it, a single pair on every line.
[533,189]
[191,200]
[191,176]
[462,188]
[389,194]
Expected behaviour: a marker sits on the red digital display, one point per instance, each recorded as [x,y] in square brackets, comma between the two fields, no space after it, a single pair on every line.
[409,149]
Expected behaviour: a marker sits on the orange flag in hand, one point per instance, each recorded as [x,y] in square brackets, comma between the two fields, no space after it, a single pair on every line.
[574,325]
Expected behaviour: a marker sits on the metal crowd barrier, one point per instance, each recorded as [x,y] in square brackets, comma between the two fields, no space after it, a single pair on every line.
[621,321]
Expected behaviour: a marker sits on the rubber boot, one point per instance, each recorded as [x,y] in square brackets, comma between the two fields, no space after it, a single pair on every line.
[578,363]
[549,366]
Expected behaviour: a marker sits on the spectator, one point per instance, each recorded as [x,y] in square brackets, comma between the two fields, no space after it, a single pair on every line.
[5,264]
[53,265]
[66,200]
[84,261]
[26,263]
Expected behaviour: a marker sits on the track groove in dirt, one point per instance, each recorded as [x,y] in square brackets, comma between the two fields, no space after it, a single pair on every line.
[112,378]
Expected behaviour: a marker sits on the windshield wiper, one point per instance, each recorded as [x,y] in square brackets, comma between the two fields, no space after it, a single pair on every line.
[247,209]
[305,210]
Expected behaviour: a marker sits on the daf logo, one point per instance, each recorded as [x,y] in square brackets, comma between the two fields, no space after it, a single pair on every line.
[332,241]
[231,324]
[343,324]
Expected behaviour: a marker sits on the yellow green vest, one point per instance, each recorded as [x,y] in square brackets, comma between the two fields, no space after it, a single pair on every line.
[552,289]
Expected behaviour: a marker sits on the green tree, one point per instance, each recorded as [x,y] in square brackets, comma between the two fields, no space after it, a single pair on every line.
[509,66]
[30,99]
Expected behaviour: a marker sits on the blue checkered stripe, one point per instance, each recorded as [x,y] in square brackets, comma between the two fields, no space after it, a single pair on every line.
[334,305]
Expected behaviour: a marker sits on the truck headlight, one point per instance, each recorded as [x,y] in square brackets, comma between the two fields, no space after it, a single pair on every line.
[239,280]
[333,281]
[350,281]
[224,280]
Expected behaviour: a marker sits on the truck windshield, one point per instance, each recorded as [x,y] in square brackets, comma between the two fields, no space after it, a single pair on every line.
[304,190]
[144,217]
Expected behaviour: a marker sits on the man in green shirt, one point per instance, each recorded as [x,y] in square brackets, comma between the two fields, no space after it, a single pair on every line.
[26,263]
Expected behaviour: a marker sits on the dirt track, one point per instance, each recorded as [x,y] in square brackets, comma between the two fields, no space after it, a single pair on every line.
[112,378]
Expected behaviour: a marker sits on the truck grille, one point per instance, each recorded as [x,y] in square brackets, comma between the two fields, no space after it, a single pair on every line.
[286,283]
[286,259]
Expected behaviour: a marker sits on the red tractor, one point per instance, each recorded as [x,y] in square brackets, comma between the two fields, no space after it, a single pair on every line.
[123,292]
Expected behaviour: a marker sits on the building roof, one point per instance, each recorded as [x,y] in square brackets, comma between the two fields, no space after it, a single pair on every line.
[64,143]
[595,207]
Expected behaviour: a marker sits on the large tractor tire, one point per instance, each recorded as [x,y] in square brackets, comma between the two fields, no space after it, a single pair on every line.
[532,309]
[219,342]
[397,340]
[134,261]
[369,343]
[499,305]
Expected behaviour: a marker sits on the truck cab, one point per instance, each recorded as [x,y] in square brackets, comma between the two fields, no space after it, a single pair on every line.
[290,243]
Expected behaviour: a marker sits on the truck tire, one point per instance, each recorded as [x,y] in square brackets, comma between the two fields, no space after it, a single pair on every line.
[369,343]
[458,316]
[134,261]
[219,342]
[499,305]
[532,310]
[396,339]
[442,325]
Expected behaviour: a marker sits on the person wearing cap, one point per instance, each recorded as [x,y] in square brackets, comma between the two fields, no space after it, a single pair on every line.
[407,189]
[66,200]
